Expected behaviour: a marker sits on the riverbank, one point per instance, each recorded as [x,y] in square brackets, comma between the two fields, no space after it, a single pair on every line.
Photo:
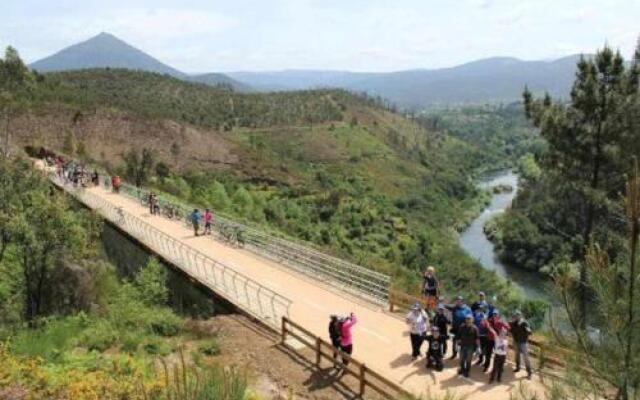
[475,242]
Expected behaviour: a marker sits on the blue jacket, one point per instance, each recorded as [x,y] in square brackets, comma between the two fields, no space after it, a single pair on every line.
[458,315]
[477,319]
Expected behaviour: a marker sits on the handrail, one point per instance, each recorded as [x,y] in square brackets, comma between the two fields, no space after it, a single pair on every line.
[366,376]
[357,280]
[245,293]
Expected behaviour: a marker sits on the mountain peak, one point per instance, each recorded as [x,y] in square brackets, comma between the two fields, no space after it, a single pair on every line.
[102,51]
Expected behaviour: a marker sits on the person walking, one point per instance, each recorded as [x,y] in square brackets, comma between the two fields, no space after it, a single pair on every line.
[151,201]
[442,322]
[208,220]
[480,303]
[346,339]
[520,331]
[459,312]
[418,321]
[480,321]
[195,220]
[500,356]
[334,335]
[430,288]
[469,339]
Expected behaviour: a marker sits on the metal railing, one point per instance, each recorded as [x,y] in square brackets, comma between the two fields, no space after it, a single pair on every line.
[245,293]
[354,279]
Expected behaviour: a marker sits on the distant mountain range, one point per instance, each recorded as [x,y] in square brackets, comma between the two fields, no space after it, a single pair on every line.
[499,79]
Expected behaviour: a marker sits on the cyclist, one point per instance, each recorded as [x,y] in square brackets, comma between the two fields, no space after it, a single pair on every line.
[195,220]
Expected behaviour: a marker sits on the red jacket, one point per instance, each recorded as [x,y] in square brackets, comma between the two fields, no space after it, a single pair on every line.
[496,326]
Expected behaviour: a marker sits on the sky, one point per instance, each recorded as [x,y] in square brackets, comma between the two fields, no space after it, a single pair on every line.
[355,35]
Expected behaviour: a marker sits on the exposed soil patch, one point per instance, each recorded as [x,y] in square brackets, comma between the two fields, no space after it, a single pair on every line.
[277,372]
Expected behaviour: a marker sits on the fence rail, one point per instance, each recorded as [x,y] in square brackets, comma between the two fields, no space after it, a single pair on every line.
[366,377]
[250,296]
[352,278]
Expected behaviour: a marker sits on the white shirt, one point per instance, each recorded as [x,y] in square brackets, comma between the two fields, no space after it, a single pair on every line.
[501,346]
[419,322]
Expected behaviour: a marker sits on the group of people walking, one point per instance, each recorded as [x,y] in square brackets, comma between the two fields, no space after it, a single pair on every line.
[73,172]
[196,217]
[471,332]
[476,331]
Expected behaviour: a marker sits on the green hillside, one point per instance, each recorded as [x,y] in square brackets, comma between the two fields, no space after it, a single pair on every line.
[328,167]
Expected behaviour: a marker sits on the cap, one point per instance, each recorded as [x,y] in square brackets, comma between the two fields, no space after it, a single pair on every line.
[459,298]
[416,306]
[440,306]
[481,294]
[431,269]
[517,312]
[469,317]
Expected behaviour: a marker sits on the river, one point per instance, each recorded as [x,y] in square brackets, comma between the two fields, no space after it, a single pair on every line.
[475,243]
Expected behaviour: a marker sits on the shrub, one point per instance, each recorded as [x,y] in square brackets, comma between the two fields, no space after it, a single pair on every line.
[210,348]
[100,336]
[157,347]
[151,282]
[164,322]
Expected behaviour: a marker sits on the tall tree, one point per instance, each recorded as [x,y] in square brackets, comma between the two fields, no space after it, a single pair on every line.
[613,357]
[584,138]
[139,165]
[15,82]
[42,229]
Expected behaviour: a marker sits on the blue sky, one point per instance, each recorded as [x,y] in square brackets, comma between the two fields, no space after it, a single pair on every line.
[359,35]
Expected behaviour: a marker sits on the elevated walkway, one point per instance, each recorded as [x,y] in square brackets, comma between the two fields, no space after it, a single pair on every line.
[268,290]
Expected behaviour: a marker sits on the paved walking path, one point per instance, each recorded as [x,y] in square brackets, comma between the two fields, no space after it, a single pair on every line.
[380,340]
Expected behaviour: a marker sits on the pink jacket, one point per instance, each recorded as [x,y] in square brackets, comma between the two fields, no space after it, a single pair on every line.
[345,337]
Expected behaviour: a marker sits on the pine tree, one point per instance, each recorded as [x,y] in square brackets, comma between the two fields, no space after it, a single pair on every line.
[585,154]
[613,357]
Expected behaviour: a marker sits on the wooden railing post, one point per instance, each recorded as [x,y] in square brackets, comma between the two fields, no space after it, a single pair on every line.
[318,351]
[363,379]
[284,330]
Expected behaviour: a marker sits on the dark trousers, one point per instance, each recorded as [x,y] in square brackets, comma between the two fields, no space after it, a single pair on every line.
[416,344]
[347,349]
[196,227]
[435,361]
[487,351]
[466,355]
[498,366]
[444,339]
[336,348]
[483,345]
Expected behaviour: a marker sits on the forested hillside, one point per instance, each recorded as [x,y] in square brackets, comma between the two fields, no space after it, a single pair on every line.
[334,169]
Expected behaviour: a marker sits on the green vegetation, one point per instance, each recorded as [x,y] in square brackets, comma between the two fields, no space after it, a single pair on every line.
[569,198]
[69,328]
[499,134]
[328,167]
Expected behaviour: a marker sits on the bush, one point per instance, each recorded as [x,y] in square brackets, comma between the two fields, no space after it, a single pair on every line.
[165,323]
[151,282]
[210,348]
[157,347]
[100,336]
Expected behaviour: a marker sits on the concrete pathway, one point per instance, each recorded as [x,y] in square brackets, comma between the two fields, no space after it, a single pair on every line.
[380,339]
